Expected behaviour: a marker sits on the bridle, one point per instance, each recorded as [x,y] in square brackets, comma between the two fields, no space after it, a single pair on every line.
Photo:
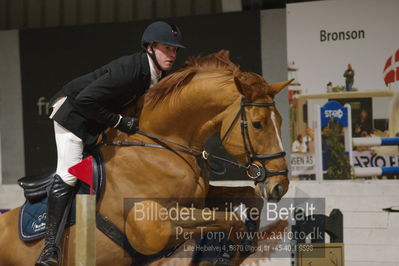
[260,173]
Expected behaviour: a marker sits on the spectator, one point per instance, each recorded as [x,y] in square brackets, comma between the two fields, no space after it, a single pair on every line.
[329,87]
[299,144]
[349,75]
[364,122]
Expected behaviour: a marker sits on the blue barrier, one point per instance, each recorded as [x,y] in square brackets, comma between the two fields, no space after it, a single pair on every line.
[375,141]
[375,171]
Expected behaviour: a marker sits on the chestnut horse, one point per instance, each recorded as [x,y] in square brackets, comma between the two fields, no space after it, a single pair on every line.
[210,94]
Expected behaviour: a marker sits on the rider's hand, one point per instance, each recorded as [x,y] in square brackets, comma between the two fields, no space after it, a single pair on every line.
[128,125]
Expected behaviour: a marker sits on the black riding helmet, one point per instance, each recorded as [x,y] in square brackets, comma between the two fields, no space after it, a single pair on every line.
[164,33]
[161,32]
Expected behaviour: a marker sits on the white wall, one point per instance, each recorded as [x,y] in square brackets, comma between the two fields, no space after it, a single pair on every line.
[12,141]
[380,107]
[11,196]
[274,62]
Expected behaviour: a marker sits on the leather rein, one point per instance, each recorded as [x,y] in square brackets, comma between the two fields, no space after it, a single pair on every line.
[256,172]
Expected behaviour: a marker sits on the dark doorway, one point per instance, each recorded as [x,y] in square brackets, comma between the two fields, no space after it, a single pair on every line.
[359,105]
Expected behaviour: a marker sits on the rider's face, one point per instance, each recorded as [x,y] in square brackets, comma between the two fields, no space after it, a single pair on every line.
[166,55]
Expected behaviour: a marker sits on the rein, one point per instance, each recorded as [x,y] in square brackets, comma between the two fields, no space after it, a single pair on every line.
[260,173]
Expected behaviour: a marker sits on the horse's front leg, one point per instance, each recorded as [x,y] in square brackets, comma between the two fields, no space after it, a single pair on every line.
[241,200]
[152,227]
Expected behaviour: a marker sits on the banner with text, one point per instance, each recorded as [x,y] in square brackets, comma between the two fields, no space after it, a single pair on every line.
[349,53]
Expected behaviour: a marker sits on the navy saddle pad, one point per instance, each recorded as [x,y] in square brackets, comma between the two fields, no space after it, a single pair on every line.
[32,220]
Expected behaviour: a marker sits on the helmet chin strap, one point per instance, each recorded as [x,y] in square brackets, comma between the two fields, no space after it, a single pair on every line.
[154,59]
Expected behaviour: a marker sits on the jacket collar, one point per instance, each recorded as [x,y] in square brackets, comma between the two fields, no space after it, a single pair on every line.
[155,77]
[145,66]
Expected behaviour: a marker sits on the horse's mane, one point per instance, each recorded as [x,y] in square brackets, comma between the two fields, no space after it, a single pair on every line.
[216,62]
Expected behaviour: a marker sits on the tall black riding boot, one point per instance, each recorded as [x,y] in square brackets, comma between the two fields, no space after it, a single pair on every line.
[58,199]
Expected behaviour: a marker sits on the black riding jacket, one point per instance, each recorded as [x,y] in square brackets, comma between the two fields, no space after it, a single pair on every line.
[95,100]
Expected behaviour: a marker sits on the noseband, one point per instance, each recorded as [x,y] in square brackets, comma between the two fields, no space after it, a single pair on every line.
[256,172]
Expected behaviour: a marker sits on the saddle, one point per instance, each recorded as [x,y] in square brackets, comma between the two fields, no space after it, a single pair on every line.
[36,187]
[32,216]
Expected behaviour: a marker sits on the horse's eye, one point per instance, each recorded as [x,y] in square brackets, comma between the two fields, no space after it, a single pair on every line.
[256,125]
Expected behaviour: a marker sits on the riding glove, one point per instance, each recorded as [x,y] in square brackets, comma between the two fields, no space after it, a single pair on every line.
[128,125]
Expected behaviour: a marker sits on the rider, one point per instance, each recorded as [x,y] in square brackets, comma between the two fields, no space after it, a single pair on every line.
[90,103]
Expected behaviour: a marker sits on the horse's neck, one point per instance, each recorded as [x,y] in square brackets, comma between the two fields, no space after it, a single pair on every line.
[190,116]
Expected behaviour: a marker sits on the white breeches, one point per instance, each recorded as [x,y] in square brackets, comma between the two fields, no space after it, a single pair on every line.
[69,152]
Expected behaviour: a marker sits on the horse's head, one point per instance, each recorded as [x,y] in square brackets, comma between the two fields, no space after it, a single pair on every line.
[251,133]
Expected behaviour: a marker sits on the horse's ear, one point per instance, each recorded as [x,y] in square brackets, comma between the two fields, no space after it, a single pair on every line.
[224,54]
[248,86]
[275,88]
[238,81]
